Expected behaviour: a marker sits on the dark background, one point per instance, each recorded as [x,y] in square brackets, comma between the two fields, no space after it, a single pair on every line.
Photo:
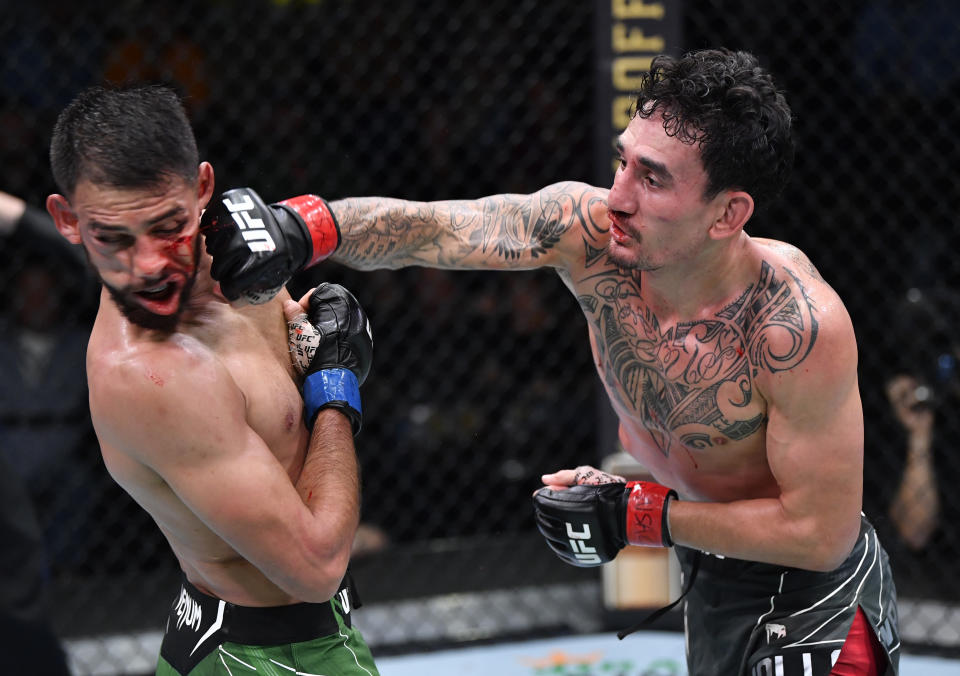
[480,381]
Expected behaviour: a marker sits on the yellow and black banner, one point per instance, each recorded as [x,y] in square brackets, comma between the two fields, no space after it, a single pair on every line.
[629,33]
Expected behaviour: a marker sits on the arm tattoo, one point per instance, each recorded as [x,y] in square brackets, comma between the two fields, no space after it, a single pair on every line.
[504,227]
[490,232]
[383,232]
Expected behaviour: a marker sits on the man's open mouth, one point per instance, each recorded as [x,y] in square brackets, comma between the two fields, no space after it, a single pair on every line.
[160,292]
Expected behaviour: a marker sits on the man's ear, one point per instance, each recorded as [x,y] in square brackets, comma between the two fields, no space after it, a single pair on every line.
[64,218]
[205,184]
[737,208]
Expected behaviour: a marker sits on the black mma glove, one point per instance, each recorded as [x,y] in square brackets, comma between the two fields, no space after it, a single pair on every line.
[333,351]
[588,525]
[257,248]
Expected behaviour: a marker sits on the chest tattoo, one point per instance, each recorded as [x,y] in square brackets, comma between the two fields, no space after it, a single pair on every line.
[694,381]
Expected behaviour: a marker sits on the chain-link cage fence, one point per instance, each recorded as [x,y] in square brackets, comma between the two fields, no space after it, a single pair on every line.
[482,381]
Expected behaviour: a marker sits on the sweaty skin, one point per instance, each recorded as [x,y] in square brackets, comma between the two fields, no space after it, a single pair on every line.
[203,426]
[730,363]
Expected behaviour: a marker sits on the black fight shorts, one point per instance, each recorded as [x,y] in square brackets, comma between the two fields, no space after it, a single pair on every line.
[744,618]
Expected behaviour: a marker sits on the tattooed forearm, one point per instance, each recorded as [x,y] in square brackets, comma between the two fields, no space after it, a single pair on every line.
[498,232]
[379,232]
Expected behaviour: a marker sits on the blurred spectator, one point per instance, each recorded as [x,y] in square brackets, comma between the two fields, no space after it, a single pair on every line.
[43,396]
[915,509]
[31,227]
[28,644]
[41,362]
[924,395]
[45,429]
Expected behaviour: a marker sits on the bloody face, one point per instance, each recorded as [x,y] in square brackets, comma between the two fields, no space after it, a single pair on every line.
[143,244]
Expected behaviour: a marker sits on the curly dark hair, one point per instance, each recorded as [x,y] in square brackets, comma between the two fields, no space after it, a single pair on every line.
[725,102]
[125,137]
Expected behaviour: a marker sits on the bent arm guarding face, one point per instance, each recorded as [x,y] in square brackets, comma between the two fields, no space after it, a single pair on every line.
[193,434]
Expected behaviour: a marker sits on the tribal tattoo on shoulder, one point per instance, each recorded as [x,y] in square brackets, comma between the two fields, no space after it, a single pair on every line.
[694,381]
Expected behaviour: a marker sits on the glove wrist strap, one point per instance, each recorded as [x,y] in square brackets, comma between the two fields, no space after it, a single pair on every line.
[646,523]
[336,387]
[322,227]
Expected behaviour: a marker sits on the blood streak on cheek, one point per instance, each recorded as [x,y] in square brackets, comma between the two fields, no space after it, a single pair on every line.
[157,380]
[182,247]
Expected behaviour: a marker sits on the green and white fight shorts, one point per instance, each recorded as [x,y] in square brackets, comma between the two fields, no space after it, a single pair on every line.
[206,636]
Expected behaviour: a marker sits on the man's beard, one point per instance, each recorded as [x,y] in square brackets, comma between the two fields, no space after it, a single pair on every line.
[627,262]
[140,316]
[137,314]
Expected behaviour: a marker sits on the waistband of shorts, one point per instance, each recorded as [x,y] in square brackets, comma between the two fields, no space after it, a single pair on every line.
[269,625]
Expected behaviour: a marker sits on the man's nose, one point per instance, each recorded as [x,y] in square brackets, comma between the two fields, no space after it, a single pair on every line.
[149,258]
[620,197]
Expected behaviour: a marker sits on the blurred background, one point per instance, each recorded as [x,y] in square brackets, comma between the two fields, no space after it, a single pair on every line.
[483,381]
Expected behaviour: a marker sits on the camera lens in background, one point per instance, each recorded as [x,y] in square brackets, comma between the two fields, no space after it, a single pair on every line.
[923,396]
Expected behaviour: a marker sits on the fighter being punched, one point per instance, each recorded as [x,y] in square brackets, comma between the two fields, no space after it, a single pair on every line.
[242,456]
[730,362]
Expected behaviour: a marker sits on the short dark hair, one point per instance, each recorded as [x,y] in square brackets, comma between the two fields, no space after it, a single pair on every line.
[125,137]
[727,104]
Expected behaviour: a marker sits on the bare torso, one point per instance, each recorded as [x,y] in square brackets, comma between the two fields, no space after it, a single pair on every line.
[250,345]
[688,390]
[729,361]
[688,394]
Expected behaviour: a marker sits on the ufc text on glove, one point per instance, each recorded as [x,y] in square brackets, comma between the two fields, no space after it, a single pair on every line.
[588,525]
[256,248]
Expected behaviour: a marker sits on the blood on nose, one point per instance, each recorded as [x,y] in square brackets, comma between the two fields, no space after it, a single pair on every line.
[181,247]
[150,258]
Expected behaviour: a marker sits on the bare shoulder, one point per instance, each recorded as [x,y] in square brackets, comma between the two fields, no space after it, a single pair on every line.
[571,219]
[796,269]
[575,204]
[805,332]
[121,365]
[801,262]
[588,197]
[146,398]
[548,226]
